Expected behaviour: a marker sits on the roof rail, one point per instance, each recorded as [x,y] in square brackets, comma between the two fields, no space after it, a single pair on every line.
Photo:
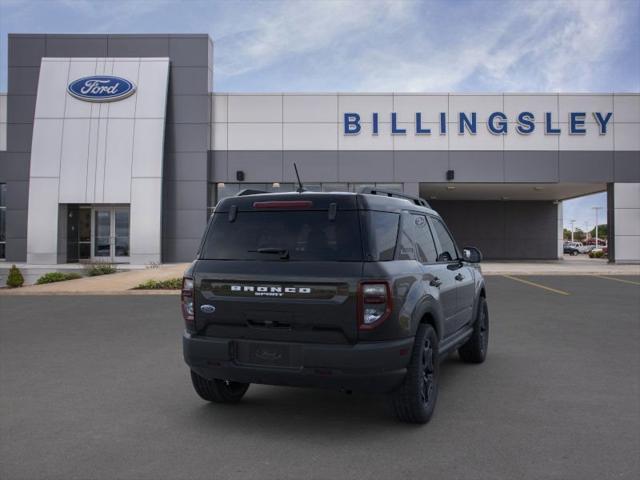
[390,193]
[249,191]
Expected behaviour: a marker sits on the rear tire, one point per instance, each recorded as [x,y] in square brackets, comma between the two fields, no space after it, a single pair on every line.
[218,391]
[475,349]
[415,400]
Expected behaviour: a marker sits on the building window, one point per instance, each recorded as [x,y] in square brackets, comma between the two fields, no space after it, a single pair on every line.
[3,224]
[219,191]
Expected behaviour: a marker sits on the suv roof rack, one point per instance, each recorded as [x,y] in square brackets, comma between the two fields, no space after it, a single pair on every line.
[390,193]
[249,191]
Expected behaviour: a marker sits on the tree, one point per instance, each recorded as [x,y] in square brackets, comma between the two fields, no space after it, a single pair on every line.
[578,235]
[566,234]
[603,231]
[15,278]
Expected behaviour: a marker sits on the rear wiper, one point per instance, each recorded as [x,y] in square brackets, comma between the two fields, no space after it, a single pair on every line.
[283,252]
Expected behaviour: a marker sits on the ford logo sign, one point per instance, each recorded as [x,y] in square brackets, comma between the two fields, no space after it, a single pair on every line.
[207,308]
[101,88]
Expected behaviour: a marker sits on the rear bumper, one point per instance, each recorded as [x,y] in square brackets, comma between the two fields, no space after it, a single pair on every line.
[369,367]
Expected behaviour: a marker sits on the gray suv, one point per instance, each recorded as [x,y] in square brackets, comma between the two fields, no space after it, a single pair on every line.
[353,291]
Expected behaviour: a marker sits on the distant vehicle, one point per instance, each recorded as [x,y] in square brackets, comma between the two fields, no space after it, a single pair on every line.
[575,248]
[570,248]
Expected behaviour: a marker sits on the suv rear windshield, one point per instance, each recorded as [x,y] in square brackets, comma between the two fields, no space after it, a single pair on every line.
[306,235]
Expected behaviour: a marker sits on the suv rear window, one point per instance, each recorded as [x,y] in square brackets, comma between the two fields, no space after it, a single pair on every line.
[303,235]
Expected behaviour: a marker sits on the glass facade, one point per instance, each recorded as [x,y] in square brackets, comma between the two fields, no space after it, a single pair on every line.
[219,191]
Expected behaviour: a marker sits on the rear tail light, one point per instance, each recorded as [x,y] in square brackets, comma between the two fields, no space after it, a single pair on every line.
[374,304]
[186,299]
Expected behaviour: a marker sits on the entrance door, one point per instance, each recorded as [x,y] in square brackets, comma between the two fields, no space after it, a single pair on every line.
[111,234]
[78,233]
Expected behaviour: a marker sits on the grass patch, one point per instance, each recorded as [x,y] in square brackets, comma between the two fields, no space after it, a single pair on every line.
[96,269]
[53,277]
[169,284]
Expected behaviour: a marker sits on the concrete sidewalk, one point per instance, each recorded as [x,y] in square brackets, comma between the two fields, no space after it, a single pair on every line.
[124,282]
[581,265]
[115,283]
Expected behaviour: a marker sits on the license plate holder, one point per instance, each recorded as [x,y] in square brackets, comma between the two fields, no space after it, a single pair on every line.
[264,354]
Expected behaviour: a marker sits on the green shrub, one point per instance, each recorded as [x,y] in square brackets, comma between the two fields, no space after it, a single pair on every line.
[15,278]
[52,277]
[596,254]
[170,284]
[100,269]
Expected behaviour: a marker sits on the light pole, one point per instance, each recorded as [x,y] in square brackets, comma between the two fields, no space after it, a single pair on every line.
[572,228]
[596,209]
[586,231]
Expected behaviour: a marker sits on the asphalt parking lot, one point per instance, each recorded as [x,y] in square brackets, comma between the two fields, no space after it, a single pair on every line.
[95,388]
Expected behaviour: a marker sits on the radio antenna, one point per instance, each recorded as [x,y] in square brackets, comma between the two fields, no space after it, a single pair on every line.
[300,187]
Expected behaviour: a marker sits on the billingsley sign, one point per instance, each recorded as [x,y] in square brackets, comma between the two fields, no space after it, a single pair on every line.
[497,123]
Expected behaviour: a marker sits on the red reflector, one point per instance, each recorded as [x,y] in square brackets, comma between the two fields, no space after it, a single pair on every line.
[284,204]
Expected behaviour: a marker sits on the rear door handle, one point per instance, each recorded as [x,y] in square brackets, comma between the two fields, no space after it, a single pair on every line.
[459,277]
[436,282]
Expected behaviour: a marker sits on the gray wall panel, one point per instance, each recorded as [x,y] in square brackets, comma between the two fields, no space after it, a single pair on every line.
[17,248]
[187,137]
[23,80]
[189,109]
[19,137]
[76,46]
[183,195]
[16,224]
[190,51]
[185,166]
[188,80]
[586,166]
[428,165]
[138,46]
[529,166]
[180,249]
[185,223]
[365,166]
[17,195]
[503,230]
[26,50]
[22,108]
[258,166]
[314,166]
[218,164]
[15,167]
[626,166]
[477,166]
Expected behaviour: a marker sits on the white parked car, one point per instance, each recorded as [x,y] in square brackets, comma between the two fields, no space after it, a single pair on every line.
[578,246]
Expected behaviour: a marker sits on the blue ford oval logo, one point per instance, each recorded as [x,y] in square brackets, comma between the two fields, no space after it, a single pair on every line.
[101,88]
[207,308]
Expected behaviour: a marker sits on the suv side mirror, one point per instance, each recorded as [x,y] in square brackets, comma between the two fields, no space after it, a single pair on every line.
[471,254]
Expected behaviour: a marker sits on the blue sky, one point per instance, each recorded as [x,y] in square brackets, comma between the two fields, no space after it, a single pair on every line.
[371,45]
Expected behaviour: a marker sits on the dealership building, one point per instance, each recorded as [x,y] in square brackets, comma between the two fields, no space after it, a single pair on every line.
[117,148]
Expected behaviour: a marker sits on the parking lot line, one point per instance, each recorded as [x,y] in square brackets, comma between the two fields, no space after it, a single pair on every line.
[618,279]
[534,284]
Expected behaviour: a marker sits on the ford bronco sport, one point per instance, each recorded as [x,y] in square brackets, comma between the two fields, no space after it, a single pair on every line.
[354,291]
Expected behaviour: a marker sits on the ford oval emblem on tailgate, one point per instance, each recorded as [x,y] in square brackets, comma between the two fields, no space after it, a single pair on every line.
[207,308]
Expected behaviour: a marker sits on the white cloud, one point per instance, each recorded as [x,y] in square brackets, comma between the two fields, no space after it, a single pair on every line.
[276,32]
[533,46]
